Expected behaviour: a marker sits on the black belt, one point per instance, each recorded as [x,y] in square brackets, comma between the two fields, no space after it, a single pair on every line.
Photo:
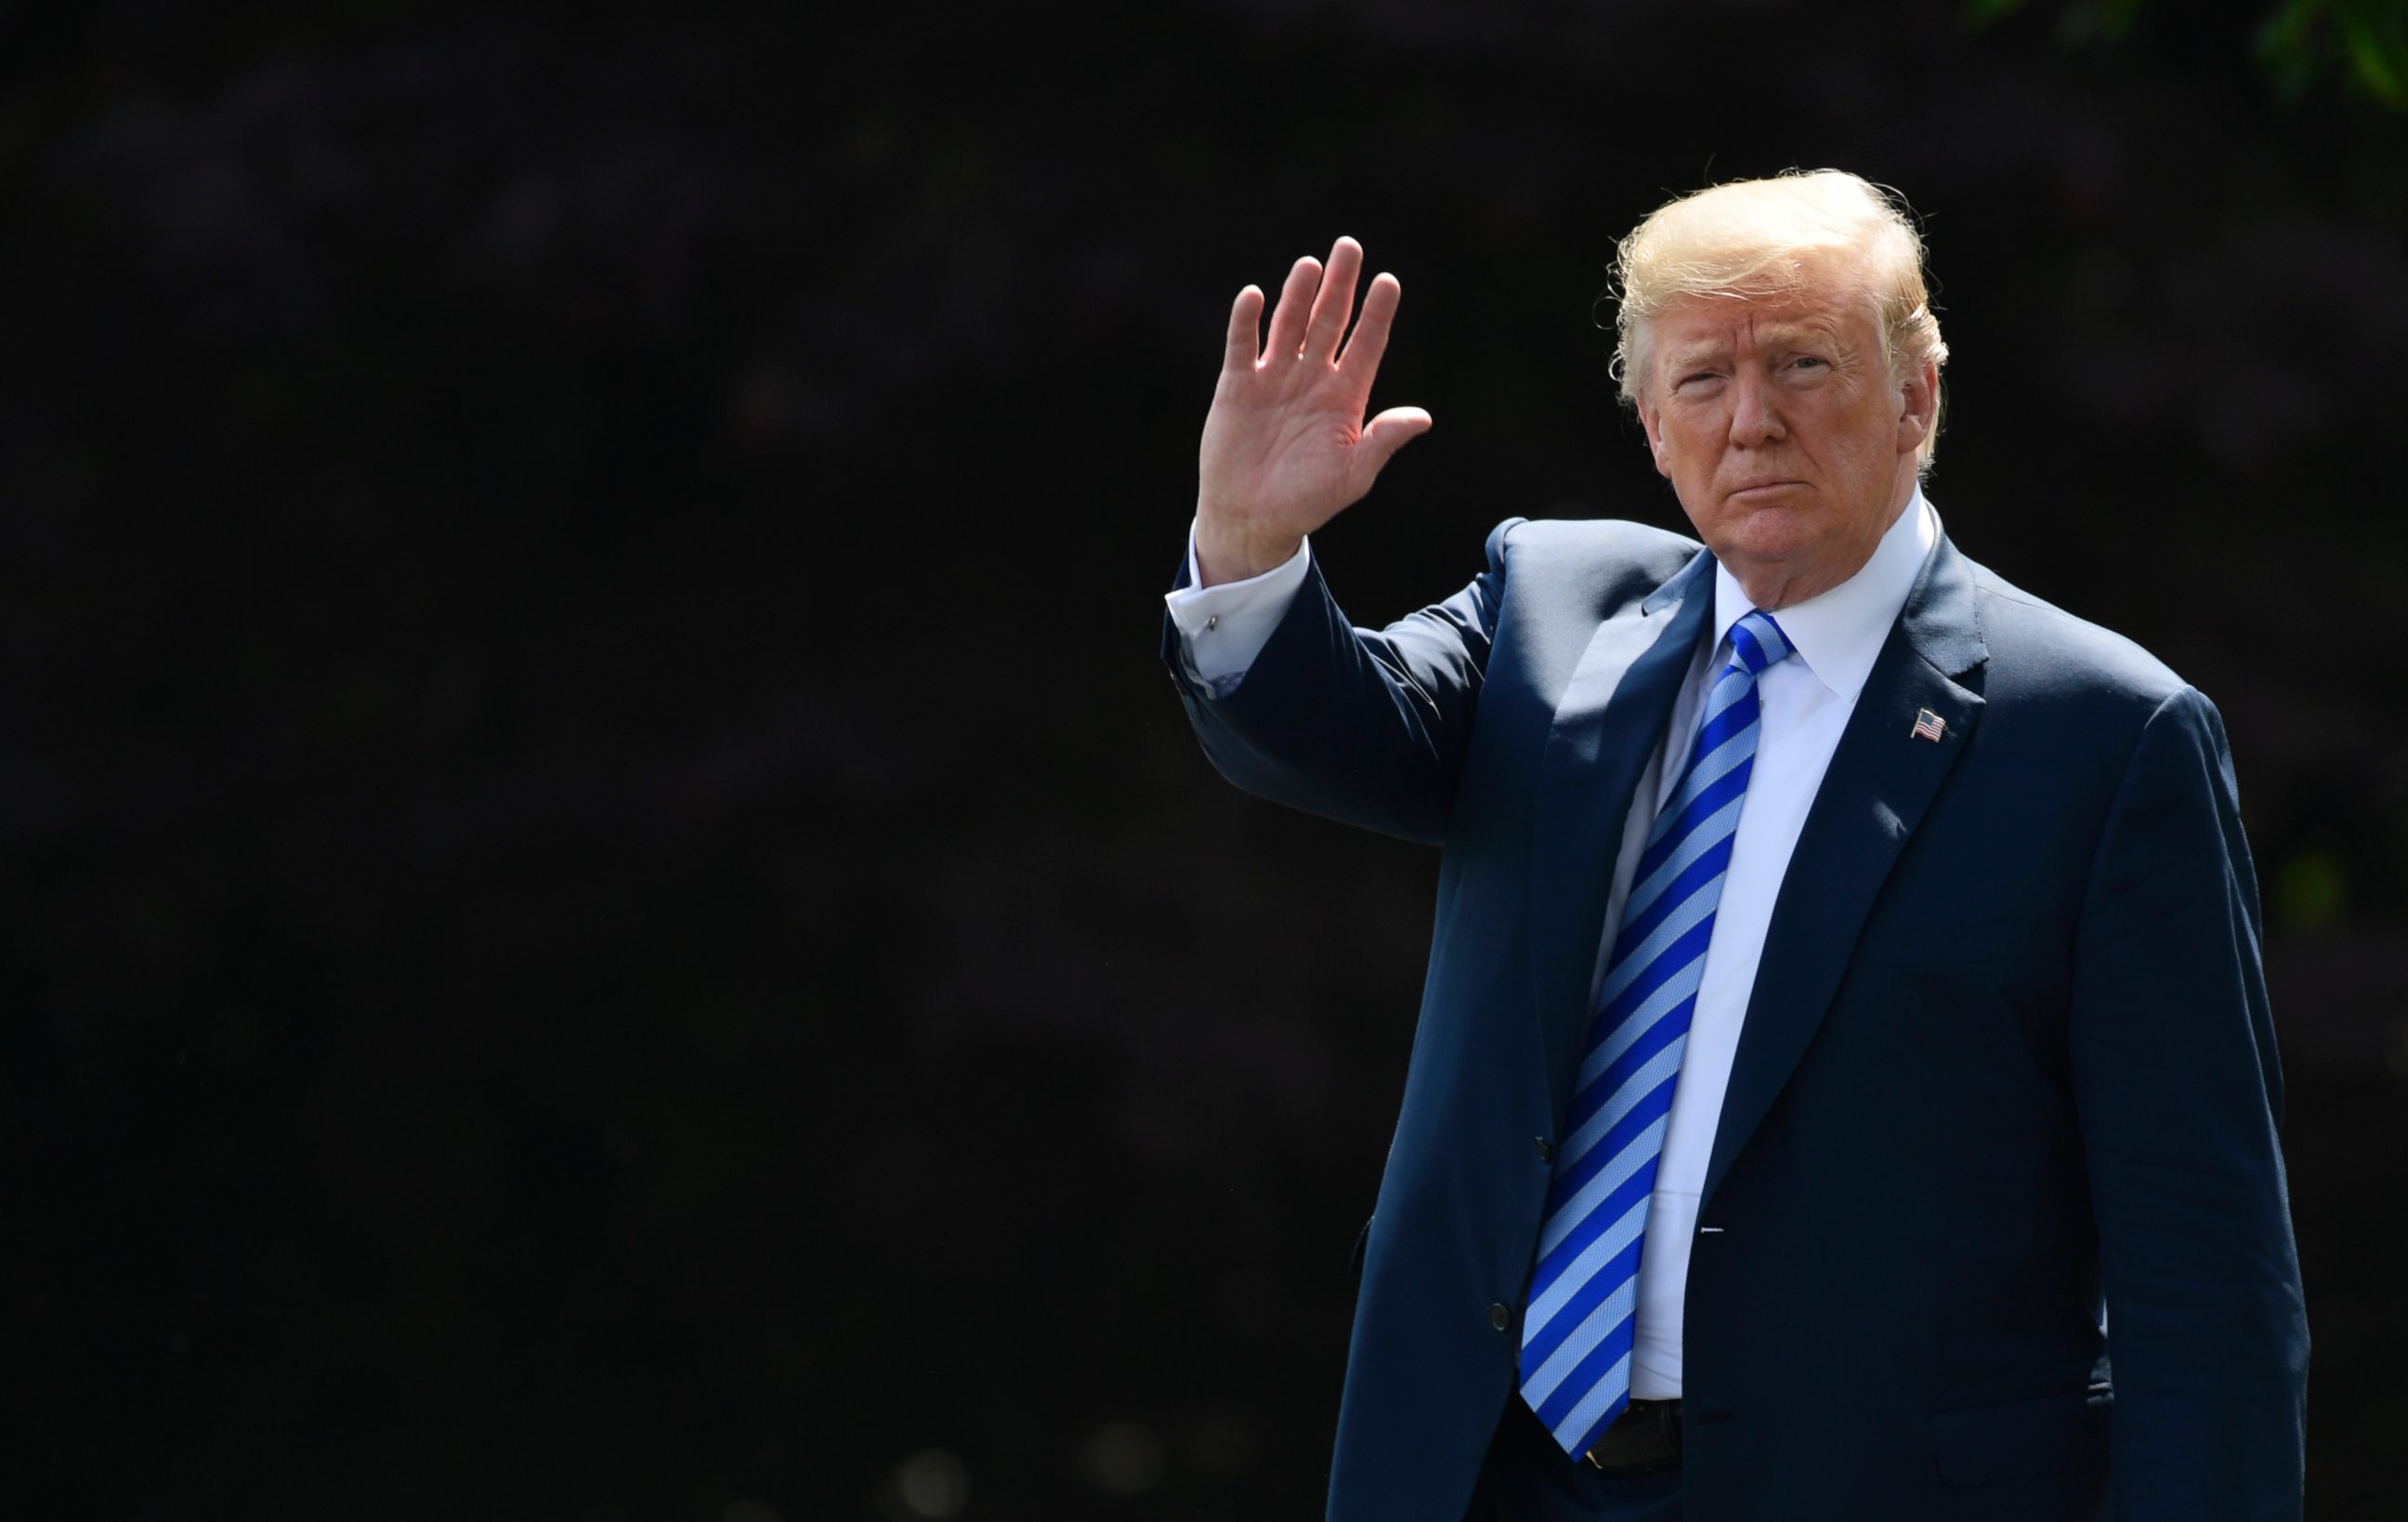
[1645,1438]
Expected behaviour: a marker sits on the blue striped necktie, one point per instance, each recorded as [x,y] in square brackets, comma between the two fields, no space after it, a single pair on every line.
[1577,1321]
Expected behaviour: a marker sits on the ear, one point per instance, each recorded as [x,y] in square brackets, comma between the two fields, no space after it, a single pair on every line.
[1919,406]
[1649,420]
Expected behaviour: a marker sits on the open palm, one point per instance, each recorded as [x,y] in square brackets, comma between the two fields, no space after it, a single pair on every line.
[1285,445]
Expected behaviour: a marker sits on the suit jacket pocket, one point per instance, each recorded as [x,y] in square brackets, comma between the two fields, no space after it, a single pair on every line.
[1982,1445]
[1885,944]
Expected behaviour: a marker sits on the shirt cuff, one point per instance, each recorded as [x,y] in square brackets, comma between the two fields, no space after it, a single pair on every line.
[1224,628]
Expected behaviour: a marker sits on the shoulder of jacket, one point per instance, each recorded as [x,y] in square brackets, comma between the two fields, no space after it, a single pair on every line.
[1591,544]
[2039,647]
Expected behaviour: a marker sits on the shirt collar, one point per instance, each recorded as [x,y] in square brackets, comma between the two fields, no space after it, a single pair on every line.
[1839,633]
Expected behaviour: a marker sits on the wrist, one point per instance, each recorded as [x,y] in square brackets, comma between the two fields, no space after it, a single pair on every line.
[1227,553]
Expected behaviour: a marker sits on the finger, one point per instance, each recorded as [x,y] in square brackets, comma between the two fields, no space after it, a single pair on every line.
[1371,340]
[1245,327]
[1294,303]
[1391,431]
[1335,303]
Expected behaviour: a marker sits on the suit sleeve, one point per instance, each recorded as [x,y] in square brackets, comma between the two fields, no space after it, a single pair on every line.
[2180,1097]
[1367,727]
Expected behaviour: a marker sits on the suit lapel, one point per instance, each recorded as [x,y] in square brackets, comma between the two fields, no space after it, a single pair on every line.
[1881,781]
[1608,723]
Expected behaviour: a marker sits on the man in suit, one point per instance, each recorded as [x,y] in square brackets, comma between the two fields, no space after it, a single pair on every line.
[1845,1086]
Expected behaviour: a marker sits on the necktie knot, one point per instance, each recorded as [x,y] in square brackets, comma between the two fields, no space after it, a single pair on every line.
[1758,642]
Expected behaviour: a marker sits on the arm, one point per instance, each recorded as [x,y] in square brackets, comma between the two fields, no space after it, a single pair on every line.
[1362,726]
[1367,727]
[2180,1097]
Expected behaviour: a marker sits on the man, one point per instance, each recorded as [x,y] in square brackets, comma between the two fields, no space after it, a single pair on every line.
[1844,1085]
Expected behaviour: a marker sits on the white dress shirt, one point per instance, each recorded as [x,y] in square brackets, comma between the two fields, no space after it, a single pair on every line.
[1805,703]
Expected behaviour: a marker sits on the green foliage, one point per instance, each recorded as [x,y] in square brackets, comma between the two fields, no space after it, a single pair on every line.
[2080,21]
[2299,44]
[2303,40]
[2310,890]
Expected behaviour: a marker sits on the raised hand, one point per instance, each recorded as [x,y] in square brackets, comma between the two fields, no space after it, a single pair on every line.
[1285,447]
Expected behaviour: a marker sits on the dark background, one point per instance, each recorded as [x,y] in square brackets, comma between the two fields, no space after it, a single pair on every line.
[607,914]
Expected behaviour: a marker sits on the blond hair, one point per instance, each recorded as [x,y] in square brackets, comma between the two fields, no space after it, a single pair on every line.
[1755,238]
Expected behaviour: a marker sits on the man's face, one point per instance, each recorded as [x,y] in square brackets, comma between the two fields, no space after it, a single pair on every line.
[1788,441]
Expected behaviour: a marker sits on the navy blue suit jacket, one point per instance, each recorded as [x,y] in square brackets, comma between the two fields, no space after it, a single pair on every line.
[2008,1053]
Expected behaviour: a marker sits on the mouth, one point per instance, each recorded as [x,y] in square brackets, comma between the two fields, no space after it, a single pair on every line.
[1763,487]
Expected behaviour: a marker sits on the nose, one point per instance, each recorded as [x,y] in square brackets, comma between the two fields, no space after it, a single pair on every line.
[1755,412]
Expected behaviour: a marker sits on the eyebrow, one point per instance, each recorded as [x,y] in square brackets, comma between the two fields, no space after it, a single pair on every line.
[1774,337]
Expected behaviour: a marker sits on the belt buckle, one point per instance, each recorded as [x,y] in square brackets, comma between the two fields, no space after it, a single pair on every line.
[1644,1440]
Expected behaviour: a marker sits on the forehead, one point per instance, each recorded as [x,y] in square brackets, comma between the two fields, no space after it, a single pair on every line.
[1823,307]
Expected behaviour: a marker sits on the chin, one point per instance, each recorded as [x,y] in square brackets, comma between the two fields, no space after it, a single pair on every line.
[1764,543]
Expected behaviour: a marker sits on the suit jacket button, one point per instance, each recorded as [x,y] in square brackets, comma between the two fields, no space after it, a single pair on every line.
[1546,1148]
[1499,1317]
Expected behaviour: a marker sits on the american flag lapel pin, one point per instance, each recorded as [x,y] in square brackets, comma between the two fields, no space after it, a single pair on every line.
[1929,726]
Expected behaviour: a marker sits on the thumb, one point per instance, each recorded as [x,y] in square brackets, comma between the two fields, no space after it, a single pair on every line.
[1391,431]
